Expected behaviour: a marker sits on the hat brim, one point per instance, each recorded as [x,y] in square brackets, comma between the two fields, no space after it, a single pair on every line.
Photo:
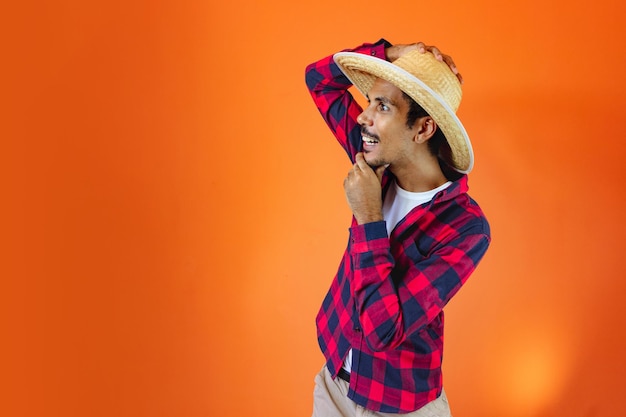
[362,70]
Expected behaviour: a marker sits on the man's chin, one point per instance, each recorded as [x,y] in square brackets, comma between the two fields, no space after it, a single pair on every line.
[373,162]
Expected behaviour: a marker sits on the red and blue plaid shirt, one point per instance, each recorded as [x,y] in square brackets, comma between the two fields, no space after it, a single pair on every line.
[386,301]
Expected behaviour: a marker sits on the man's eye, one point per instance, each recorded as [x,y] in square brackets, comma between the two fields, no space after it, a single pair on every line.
[383,107]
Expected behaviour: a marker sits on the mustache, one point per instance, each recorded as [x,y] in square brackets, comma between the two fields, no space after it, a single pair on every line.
[369,134]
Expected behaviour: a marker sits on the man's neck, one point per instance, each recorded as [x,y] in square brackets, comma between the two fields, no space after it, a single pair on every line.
[420,177]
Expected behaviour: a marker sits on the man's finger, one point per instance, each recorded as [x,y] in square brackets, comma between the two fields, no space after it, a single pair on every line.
[448,60]
[360,161]
[435,51]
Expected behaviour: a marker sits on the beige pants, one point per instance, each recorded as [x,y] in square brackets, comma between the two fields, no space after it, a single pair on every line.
[330,399]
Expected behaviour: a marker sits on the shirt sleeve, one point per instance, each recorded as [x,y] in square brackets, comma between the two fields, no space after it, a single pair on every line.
[329,88]
[391,308]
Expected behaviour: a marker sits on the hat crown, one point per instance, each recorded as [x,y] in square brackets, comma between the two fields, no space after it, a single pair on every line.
[435,74]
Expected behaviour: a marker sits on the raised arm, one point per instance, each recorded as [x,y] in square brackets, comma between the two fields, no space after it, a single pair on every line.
[329,88]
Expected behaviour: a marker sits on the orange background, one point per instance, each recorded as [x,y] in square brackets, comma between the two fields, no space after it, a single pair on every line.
[172,209]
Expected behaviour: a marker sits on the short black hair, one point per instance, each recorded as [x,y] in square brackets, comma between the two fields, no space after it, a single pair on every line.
[415,112]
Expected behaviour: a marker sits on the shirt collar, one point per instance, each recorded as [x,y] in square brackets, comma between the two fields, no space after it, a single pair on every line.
[459,186]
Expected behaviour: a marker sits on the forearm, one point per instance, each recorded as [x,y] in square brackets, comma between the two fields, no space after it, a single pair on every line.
[324,75]
[375,298]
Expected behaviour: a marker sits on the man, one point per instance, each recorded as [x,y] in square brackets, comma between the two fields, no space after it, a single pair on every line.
[416,235]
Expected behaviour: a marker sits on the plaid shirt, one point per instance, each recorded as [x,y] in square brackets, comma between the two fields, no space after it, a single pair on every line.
[387,298]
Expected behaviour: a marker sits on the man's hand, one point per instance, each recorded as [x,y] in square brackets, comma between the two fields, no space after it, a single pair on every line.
[396,51]
[363,191]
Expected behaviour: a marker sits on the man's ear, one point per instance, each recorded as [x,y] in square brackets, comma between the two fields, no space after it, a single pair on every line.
[425,129]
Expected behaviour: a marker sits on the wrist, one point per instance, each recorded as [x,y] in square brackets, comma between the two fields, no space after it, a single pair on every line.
[391,53]
[368,218]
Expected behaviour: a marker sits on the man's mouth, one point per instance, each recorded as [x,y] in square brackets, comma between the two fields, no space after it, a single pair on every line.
[368,138]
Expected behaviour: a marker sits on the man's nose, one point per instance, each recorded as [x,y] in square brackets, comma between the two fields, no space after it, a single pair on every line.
[364,119]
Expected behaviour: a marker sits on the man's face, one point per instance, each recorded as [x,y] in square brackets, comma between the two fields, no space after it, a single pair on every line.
[386,136]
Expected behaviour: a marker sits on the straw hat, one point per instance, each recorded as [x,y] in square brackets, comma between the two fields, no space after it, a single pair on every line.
[426,80]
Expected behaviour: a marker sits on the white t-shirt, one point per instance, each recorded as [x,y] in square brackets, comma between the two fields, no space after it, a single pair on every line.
[398,203]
